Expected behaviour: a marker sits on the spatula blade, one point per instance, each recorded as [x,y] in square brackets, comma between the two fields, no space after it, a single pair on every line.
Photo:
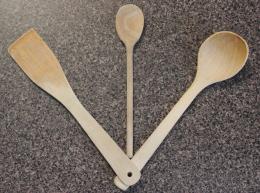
[37,60]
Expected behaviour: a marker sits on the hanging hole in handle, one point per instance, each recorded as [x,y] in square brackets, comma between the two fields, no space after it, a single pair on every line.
[129,174]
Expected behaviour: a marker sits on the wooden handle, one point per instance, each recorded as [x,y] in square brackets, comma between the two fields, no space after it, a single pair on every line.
[117,159]
[146,151]
[130,91]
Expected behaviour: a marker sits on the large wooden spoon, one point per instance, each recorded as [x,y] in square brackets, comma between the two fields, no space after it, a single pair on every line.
[36,59]
[129,26]
[220,57]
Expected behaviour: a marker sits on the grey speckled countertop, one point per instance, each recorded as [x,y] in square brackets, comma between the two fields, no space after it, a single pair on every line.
[213,148]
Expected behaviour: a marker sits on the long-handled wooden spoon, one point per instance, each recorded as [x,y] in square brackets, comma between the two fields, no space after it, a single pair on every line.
[220,57]
[129,26]
[40,64]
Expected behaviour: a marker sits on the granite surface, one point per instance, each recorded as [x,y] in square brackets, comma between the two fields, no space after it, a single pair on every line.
[213,148]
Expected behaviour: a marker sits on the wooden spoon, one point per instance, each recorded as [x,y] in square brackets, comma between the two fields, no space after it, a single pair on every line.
[40,64]
[220,57]
[129,26]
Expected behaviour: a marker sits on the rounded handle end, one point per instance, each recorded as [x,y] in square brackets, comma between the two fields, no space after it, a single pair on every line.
[120,184]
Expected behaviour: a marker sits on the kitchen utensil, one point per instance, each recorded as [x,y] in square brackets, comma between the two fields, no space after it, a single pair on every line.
[36,59]
[129,26]
[220,57]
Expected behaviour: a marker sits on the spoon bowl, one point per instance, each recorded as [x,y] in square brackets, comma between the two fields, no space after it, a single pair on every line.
[129,24]
[221,56]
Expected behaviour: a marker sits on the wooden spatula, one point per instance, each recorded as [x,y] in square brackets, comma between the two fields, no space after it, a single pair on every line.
[36,59]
